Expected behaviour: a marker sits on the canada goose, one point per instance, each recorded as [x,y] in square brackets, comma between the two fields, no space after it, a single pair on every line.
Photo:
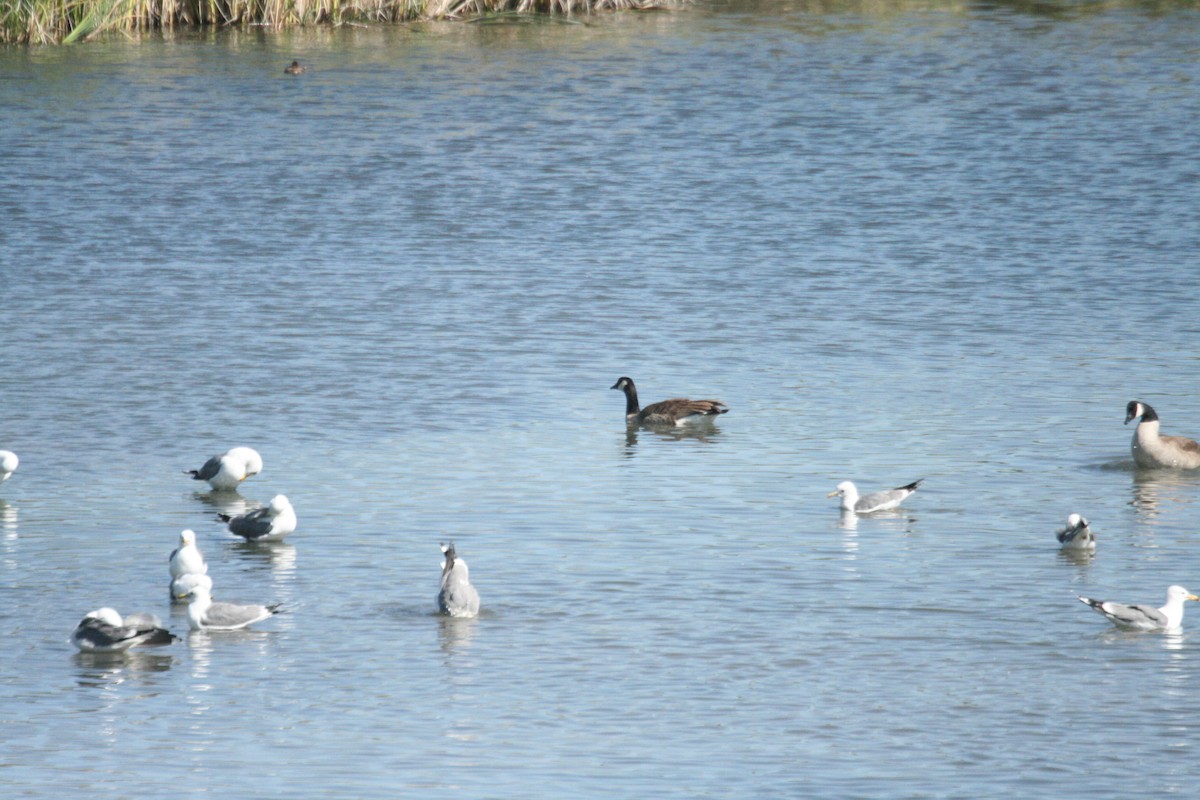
[227,470]
[204,614]
[187,558]
[295,68]
[677,411]
[103,631]
[1152,450]
[1145,618]
[876,501]
[268,524]
[1077,535]
[457,597]
[8,464]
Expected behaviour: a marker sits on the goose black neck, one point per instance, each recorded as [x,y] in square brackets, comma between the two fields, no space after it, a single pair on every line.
[631,399]
[1148,413]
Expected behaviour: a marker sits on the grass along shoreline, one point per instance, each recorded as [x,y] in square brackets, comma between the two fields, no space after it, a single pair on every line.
[65,21]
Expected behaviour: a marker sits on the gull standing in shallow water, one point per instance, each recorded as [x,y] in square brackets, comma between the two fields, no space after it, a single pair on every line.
[1152,450]
[1077,535]
[183,585]
[457,597]
[206,615]
[103,631]
[226,471]
[268,524]
[8,464]
[678,411]
[1142,617]
[187,558]
[876,501]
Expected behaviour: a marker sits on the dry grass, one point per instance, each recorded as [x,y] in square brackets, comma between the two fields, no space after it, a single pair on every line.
[52,21]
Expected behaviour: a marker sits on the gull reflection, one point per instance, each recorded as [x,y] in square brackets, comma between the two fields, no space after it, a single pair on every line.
[455,633]
[229,502]
[109,670]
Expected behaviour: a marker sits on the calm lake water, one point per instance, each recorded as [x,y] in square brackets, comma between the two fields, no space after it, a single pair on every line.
[899,241]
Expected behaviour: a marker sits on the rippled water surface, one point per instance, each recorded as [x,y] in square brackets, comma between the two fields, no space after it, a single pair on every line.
[899,241]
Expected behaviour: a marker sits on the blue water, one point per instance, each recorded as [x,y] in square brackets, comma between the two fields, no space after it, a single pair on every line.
[939,241]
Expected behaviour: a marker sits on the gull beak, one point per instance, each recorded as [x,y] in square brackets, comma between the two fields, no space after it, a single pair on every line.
[834,493]
[1192,597]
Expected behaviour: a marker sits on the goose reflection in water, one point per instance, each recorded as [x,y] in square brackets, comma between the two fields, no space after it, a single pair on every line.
[1154,488]
[704,433]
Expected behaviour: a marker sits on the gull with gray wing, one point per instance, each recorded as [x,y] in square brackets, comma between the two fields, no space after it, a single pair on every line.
[457,597]
[268,524]
[1143,617]
[104,631]
[226,471]
[876,501]
[1077,535]
[206,615]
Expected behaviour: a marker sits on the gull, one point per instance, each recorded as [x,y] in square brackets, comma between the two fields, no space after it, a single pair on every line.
[876,501]
[180,587]
[268,524]
[227,470]
[1142,617]
[187,558]
[206,615]
[8,464]
[103,631]
[677,411]
[1077,535]
[457,597]
[1152,450]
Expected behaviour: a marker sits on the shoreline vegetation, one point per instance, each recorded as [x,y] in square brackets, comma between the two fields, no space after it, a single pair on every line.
[66,21]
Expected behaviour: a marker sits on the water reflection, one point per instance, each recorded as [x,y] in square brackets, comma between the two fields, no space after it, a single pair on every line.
[278,557]
[701,431]
[229,502]
[1152,489]
[1080,558]
[109,670]
[455,633]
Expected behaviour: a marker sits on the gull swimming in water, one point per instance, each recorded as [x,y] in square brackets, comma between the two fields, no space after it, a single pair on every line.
[227,470]
[1152,450]
[204,614]
[677,411]
[180,587]
[457,597]
[876,501]
[187,558]
[1077,535]
[268,524]
[8,464]
[103,631]
[1142,617]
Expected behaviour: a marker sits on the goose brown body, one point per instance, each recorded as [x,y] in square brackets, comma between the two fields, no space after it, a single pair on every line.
[1152,450]
[676,411]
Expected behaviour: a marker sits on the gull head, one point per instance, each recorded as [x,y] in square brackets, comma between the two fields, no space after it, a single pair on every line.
[187,537]
[279,504]
[843,488]
[1180,594]
[107,615]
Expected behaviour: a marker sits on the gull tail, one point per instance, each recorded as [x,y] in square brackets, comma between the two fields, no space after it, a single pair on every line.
[224,517]
[912,487]
[1089,601]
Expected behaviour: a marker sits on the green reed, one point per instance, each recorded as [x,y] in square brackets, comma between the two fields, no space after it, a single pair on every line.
[53,21]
